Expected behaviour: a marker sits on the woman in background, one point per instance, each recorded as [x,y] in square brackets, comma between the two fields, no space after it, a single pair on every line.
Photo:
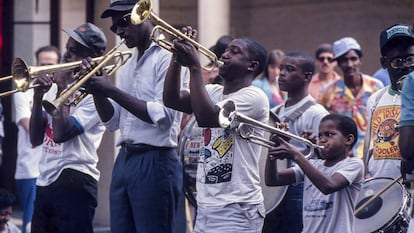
[269,81]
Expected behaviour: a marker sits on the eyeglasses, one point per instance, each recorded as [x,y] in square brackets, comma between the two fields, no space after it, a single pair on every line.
[322,59]
[399,63]
[124,21]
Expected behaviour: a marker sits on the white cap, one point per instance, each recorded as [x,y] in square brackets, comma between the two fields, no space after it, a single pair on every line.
[342,46]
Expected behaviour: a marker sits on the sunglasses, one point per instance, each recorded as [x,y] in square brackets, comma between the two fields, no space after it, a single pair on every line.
[122,22]
[399,63]
[322,59]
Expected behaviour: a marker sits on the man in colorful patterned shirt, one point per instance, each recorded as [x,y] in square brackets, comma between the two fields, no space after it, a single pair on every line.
[349,96]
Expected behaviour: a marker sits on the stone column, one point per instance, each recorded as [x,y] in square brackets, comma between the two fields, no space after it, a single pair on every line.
[213,21]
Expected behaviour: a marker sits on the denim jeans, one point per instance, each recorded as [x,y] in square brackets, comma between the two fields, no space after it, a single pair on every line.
[26,190]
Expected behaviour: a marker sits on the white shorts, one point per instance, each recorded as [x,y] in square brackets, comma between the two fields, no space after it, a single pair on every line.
[232,218]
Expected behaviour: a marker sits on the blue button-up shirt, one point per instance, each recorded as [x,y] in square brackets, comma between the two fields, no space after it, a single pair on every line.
[144,79]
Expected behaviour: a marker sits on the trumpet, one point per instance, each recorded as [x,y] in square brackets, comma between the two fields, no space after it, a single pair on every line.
[81,93]
[143,10]
[22,74]
[53,107]
[230,118]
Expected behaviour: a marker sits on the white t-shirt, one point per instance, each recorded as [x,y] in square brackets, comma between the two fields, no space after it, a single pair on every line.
[386,158]
[333,212]
[11,228]
[228,168]
[78,153]
[27,164]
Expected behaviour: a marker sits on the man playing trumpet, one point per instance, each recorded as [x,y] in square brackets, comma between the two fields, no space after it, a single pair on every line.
[66,195]
[229,197]
[147,176]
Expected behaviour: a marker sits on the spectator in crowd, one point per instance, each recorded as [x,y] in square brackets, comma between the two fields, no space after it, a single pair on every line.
[349,95]
[325,70]
[27,164]
[7,200]
[269,81]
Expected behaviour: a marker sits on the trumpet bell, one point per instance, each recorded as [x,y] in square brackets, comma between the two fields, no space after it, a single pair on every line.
[141,11]
[225,118]
[21,75]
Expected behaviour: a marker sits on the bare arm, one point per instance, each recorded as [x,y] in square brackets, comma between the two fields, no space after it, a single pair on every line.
[172,96]
[324,183]
[37,124]
[273,177]
[205,111]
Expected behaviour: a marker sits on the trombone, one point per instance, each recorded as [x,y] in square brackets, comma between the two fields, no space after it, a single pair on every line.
[230,118]
[53,107]
[22,74]
[81,93]
[143,10]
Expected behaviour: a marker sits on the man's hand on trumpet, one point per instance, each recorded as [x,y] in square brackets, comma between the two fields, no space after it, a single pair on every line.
[185,53]
[99,82]
[310,135]
[283,149]
[42,84]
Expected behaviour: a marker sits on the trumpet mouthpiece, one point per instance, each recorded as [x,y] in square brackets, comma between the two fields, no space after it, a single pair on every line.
[219,63]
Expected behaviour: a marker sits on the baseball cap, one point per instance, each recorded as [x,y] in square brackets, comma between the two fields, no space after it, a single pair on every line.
[342,46]
[393,32]
[89,36]
[117,6]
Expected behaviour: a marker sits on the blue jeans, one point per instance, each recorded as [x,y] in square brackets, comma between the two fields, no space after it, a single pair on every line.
[287,217]
[145,189]
[67,205]
[26,190]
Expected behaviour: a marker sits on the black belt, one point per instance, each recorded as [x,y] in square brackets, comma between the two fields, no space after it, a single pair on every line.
[140,147]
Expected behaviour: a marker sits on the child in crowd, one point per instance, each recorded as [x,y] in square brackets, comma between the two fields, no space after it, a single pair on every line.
[7,201]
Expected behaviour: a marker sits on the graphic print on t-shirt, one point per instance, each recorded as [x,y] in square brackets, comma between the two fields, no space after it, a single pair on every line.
[385,127]
[50,147]
[216,160]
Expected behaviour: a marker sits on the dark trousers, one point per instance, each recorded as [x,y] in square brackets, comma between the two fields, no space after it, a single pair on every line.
[67,205]
[145,189]
[287,217]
